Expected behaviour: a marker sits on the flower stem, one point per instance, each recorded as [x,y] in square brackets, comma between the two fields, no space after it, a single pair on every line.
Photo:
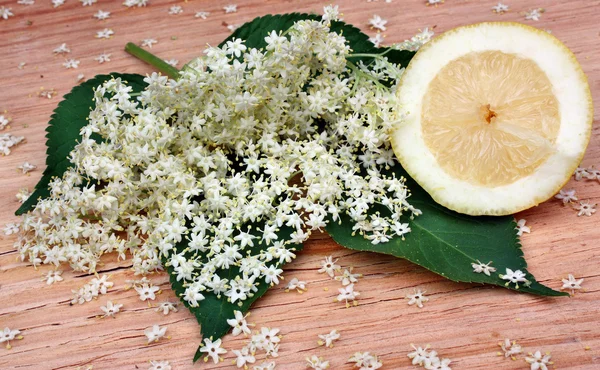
[152,59]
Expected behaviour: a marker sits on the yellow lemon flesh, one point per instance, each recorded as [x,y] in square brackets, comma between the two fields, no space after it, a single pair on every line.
[497,117]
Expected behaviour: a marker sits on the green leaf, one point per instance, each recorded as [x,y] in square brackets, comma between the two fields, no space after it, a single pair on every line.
[63,131]
[447,242]
[213,312]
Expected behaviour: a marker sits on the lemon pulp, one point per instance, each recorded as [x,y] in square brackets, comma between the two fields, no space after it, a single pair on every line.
[490,118]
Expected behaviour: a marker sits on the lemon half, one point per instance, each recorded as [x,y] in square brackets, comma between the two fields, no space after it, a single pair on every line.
[496,117]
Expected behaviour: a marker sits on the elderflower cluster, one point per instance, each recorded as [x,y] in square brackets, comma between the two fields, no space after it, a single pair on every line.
[194,174]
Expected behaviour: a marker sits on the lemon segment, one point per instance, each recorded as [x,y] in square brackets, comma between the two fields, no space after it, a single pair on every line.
[497,118]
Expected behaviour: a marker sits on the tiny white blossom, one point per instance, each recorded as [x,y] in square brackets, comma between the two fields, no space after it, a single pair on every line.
[567,196]
[244,357]
[317,363]
[104,57]
[580,173]
[213,350]
[62,49]
[147,291]
[480,267]
[5,12]
[534,14]
[154,333]
[102,15]
[265,366]
[365,361]
[521,228]
[331,13]
[295,284]
[172,62]
[230,8]
[3,122]
[514,277]
[111,309]
[11,228]
[26,2]
[105,33]
[435,363]
[434,2]
[239,324]
[420,355]
[7,335]
[57,3]
[88,2]
[328,339]
[510,348]
[347,277]
[500,8]
[53,276]
[378,23]
[80,77]
[176,9]
[166,307]
[585,208]
[538,361]
[202,15]
[377,39]
[159,365]
[149,42]
[347,294]
[71,63]
[417,298]
[571,284]
[328,266]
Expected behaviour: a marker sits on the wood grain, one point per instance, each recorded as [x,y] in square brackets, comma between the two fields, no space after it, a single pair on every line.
[463,322]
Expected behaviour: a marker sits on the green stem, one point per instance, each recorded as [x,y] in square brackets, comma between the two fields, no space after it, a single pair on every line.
[152,59]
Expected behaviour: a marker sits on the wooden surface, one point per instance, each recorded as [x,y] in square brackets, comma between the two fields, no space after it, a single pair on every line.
[463,322]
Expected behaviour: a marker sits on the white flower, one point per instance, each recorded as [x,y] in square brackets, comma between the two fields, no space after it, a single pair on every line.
[26,2]
[580,173]
[348,277]
[213,350]
[53,276]
[521,228]
[244,357]
[105,33]
[347,294]
[534,14]
[159,365]
[331,13]
[57,3]
[230,8]
[571,283]
[71,63]
[111,309]
[416,41]
[567,196]
[5,12]
[378,22]
[176,9]
[7,141]
[265,366]
[295,284]
[420,355]
[328,339]
[377,39]
[11,228]
[585,208]
[147,291]
[104,57]
[514,277]
[328,266]
[101,15]
[172,62]
[23,195]
[434,2]
[7,335]
[480,267]
[500,8]
[166,307]
[417,298]
[149,42]
[202,15]
[317,363]
[365,361]
[539,361]
[434,363]
[239,324]
[27,167]
[155,332]
[3,122]
[88,2]
[510,348]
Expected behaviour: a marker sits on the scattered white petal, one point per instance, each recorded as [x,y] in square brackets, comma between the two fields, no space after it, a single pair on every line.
[7,335]
[348,277]
[244,357]
[22,65]
[26,2]
[378,23]
[159,365]
[376,40]
[328,339]
[567,196]
[365,361]
[316,363]
[510,348]
[62,49]
[71,63]
[166,307]
[434,2]
[172,62]
[57,3]
[88,2]
[176,9]
[500,8]
[11,228]
[534,14]
[149,42]
[514,277]
[212,350]
[147,291]
[202,15]
[80,77]
[328,266]
[138,3]
[417,298]
[295,284]
[230,8]
[27,167]
[239,324]
[102,15]
[23,195]
[585,208]
[347,294]
[104,57]
[571,284]
[111,309]
[154,333]
[3,122]
[53,276]
[105,33]
[539,361]
[521,228]
[7,141]
[6,12]
[480,267]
